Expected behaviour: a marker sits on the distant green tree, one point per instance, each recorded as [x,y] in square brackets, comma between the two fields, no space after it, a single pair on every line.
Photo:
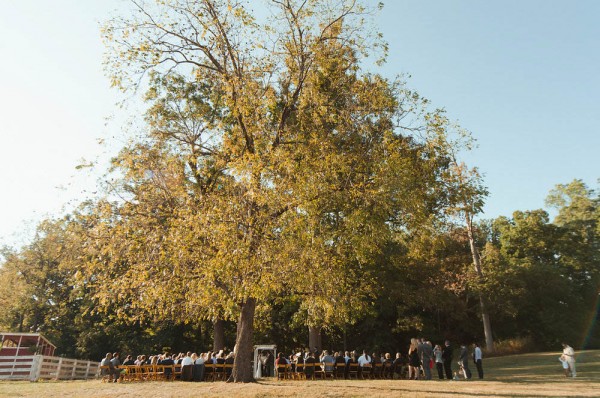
[36,293]
[548,270]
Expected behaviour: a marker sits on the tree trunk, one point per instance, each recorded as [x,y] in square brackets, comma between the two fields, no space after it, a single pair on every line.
[314,338]
[242,367]
[21,319]
[218,335]
[485,317]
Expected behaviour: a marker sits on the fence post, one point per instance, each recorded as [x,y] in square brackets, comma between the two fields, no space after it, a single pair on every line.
[60,360]
[36,368]
[74,369]
[87,371]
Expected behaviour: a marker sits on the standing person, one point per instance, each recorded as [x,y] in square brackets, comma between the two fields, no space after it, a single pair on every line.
[478,358]
[463,360]
[262,363]
[414,362]
[269,363]
[259,366]
[569,355]
[426,355]
[437,353]
[447,359]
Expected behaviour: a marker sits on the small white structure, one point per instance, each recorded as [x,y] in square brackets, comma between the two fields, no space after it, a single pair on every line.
[257,363]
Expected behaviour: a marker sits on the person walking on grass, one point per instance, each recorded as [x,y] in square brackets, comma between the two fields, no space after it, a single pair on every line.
[463,361]
[569,356]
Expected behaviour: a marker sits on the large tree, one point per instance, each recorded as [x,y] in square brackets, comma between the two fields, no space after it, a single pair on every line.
[272,165]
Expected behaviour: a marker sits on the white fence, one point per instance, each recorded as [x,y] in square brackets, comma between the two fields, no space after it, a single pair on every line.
[35,367]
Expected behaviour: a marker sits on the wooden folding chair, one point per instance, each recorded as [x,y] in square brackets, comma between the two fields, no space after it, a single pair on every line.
[319,373]
[160,372]
[353,370]
[146,372]
[228,370]
[299,373]
[219,372]
[309,370]
[136,372]
[177,371]
[328,370]
[105,373]
[366,371]
[130,373]
[388,370]
[209,369]
[377,372]
[340,370]
[281,371]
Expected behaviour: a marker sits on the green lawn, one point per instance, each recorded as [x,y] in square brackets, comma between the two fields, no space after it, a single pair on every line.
[529,375]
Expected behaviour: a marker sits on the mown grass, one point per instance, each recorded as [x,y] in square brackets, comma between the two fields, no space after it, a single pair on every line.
[527,375]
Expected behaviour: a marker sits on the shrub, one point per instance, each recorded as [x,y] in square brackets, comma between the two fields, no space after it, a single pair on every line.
[517,345]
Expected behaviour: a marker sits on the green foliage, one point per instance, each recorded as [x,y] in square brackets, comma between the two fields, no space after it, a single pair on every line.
[549,270]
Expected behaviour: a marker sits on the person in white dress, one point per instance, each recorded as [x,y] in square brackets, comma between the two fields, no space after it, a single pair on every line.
[569,356]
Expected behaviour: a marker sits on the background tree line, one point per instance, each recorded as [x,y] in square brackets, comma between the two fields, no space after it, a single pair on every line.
[541,281]
[280,192]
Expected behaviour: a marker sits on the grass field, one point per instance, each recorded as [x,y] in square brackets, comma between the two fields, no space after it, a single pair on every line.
[529,375]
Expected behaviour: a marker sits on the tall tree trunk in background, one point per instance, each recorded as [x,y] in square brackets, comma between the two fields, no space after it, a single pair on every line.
[242,367]
[218,335]
[487,325]
[314,338]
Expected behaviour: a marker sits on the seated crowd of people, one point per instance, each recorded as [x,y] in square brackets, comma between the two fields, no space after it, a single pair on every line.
[347,364]
[193,366]
[422,357]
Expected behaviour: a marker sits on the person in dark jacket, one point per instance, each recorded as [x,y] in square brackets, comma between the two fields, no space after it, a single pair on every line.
[309,365]
[166,360]
[447,359]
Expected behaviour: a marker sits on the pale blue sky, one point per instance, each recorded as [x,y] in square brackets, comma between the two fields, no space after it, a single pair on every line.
[522,76]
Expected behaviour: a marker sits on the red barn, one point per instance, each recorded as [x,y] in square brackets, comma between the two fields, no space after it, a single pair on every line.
[24,344]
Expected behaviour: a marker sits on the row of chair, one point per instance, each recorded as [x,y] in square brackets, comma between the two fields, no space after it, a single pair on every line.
[330,370]
[130,373]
